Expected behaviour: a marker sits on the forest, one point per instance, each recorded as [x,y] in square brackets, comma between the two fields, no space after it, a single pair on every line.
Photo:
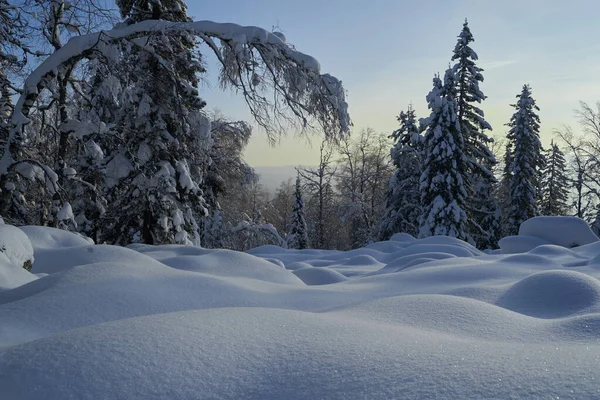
[104,132]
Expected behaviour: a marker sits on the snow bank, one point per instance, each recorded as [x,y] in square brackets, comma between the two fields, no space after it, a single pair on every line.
[16,246]
[408,318]
[563,231]
[51,238]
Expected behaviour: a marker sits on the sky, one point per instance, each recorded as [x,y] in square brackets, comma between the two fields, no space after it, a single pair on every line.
[386,53]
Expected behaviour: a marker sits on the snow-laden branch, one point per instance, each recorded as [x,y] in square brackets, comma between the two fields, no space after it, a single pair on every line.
[294,76]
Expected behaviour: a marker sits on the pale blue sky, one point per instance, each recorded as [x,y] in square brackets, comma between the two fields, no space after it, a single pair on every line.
[386,53]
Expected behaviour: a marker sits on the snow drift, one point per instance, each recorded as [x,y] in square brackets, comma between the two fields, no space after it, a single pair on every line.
[412,319]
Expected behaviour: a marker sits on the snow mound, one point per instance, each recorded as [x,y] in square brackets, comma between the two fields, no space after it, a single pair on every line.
[402,237]
[43,237]
[553,294]
[51,261]
[232,264]
[319,276]
[520,244]
[411,260]
[16,246]
[563,231]
[297,265]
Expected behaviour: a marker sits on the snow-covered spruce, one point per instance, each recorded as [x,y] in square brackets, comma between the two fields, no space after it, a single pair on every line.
[403,203]
[555,183]
[298,236]
[482,211]
[527,161]
[442,184]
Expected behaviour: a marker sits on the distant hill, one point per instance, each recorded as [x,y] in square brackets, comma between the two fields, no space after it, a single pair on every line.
[271,177]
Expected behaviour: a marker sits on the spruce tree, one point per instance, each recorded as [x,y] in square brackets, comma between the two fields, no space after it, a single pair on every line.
[403,204]
[442,184]
[155,171]
[503,189]
[527,159]
[555,183]
[482,210]
[298,236]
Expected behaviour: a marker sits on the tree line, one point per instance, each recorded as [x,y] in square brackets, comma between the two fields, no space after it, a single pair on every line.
[103,131]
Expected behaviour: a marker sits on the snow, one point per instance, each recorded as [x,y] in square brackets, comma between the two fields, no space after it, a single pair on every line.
[563,231]
[407,318]
[15,245]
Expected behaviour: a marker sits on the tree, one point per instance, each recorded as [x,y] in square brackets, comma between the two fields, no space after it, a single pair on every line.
[318,182]
[555,183]
[252,60]
[362,181]
[527,160]
[483,213]
[298,236]
[403,203]
[443,182]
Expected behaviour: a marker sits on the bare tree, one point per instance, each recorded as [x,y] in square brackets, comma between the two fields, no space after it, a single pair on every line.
[318,182]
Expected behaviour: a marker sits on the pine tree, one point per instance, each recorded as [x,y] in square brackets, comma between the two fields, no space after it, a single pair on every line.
[443,191]
[403,204]
[483,213]
[555,183]
[527,159]
[298,236]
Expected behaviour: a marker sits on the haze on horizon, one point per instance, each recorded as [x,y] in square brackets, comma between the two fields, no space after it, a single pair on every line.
[386,53]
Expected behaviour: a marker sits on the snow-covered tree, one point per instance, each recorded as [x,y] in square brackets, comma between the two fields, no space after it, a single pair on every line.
[403,204]
[482,208]
[555,183]
[443,181]
[153,194]
[298,236]
[527,160]
[502,192]
[151,179]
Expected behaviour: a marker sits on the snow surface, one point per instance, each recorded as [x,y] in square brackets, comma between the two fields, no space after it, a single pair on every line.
[405,319]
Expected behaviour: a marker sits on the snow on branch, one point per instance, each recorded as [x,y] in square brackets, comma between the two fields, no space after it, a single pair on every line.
[253,61]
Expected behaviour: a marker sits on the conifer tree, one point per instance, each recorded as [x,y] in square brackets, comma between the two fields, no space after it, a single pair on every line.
[298,236]
[503,189]
[154,195]
[442,184]
[403,204]
[555,183]
[482,211]
[527,159]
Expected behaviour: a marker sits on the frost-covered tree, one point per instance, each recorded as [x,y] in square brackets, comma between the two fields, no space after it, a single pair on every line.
[443,181]
[555,183]
[298,236]
[482,208]
[152,191]
[403,204]
[527,160]
[154,194]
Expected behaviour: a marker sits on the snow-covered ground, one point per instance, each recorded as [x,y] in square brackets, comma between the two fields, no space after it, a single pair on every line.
[404,319]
